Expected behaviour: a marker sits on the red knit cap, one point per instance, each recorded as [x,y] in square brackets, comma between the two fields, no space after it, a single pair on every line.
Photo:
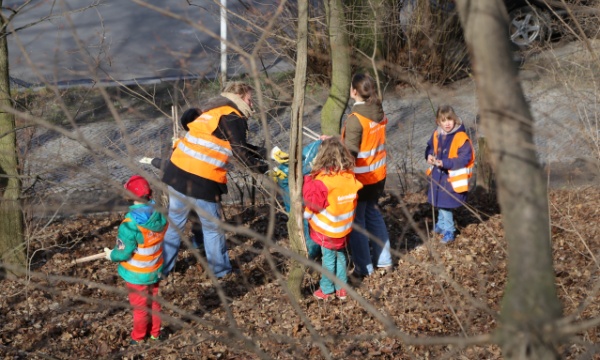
[138,186]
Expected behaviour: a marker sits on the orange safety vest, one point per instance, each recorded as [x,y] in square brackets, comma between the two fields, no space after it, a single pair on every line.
[459,178]
[336,219]
[371,158]
[148,256]
[201,153]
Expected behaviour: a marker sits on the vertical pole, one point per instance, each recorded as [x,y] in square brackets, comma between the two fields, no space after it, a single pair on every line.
[223,42]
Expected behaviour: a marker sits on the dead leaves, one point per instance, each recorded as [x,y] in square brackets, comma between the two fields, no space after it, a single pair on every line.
[433,290]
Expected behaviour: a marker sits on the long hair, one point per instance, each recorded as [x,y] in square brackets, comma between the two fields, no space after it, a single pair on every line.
[366,88]
[447,112]
[333,156]
[238,88]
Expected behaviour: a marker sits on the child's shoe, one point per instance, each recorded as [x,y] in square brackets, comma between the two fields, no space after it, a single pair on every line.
[135,342]
[448,237]
[156,338]
[341,294]
[319,294]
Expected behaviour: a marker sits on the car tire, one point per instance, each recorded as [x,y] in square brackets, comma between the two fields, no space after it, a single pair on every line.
[529,26]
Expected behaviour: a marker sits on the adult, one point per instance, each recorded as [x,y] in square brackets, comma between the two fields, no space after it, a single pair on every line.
[364,135]
[197,239]
[196,174]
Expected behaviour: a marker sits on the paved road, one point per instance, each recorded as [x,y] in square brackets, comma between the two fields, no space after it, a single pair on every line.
[119,39]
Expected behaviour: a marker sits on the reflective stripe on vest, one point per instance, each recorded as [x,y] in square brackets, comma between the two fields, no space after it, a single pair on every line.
[370,168]
[201,153]
[335,221]
[371,158]
[459,178]
[325,228]
[147,257]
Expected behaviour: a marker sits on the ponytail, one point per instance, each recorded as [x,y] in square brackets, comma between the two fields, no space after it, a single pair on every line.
[365,85]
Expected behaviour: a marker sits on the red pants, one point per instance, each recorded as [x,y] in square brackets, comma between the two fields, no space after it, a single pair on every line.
[146,318]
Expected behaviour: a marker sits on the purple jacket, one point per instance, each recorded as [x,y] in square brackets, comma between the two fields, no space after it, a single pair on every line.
[440,193]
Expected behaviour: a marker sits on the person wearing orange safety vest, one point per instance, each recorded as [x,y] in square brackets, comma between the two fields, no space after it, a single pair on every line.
[451,158]
[196,173]
[197,238]
[364,135]
[330,197]
[139,254]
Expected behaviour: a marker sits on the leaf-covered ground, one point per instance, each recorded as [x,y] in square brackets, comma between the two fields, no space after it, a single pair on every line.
[67,312]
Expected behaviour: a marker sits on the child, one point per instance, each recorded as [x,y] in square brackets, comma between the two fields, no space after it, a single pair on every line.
[139,254]
[330,195]
[451,156]
[280,176]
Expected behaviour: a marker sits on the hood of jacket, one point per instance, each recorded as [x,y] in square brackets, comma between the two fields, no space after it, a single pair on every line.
[223,100]
[145,216]
[370,111]
[457,128]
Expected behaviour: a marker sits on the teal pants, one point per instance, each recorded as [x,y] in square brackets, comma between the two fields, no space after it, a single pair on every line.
[334,261]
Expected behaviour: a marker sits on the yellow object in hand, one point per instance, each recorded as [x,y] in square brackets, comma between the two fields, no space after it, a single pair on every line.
[276,174]
[278,155]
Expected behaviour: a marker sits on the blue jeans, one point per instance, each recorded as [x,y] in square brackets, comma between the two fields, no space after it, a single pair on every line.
[214,238]
[445,220]
[334,261]
[367,252]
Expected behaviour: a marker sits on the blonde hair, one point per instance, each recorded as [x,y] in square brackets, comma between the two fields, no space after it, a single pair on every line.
[238,88]
[447,112]
[333,156]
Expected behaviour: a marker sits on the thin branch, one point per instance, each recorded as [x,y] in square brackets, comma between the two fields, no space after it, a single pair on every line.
[15,129]
[574,328]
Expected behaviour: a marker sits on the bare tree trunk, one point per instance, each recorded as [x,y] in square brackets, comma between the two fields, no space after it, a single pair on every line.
[530,305]
[295,226]
[485,175]
[11,216]
[333,110]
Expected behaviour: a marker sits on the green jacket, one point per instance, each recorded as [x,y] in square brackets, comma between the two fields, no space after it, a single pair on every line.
[129,237]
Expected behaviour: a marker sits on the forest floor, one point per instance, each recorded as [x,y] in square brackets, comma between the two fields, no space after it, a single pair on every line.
[67,311]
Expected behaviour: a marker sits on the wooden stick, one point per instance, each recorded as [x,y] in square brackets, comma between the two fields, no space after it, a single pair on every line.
[176,119]
[308,130]
[175,122]
[310,136]
[89,258]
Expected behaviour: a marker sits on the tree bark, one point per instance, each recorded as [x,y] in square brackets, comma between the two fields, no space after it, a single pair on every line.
[333,110]
[530,304]
[485,175]
[295,226]
[11,215]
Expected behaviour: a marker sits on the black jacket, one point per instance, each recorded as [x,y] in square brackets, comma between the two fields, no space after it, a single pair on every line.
[232,128]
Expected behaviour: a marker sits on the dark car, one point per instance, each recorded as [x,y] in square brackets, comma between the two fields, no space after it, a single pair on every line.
[531,21]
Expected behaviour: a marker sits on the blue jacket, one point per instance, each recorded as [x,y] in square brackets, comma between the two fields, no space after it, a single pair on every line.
[440,193]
